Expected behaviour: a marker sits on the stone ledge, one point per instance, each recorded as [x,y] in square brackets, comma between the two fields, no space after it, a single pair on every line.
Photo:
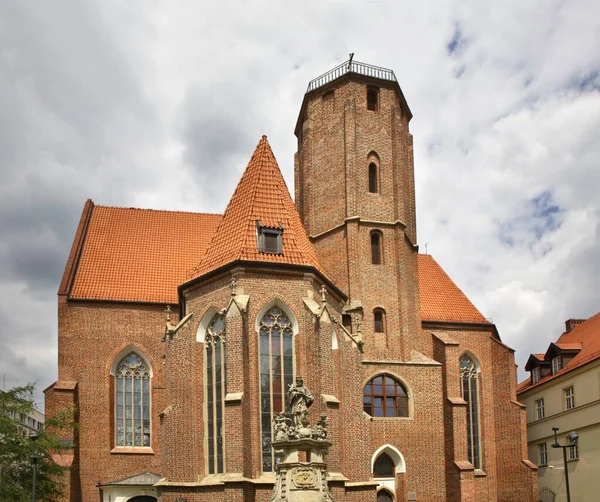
[234,397]
[130,450]
[329,399]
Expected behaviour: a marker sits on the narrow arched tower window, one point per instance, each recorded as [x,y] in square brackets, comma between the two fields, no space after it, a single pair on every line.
[216,389]
[373,185]
[276,374]
[379,321]
[132,403]
[376,248]
[372,98]
[470,393]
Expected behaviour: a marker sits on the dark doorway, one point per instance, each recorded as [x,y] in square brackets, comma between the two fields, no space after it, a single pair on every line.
[384,496]
[143,498]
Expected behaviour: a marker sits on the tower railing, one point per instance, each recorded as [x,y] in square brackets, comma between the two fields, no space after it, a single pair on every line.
[351,67]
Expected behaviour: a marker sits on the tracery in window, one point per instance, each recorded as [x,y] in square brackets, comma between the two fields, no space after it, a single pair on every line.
[216,383]
[470,393]
[384,396]
[276,374]
[132,403]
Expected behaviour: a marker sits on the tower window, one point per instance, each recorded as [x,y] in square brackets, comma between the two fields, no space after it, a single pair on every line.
[372,99]
[470,393]
[375,248]
[269,240]
[379,321]
[373,178]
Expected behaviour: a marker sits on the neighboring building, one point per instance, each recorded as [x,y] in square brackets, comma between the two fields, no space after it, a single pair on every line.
[419,391]
[29,423]
[563,391]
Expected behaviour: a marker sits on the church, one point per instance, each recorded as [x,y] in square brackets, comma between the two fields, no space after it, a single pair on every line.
[180,335]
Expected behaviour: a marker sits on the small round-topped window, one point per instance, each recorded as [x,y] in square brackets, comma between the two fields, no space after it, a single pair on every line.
[384,396]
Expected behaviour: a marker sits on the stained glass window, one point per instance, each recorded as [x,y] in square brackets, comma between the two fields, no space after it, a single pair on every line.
[276,353]
[132,402]
[470,393]
[214,342]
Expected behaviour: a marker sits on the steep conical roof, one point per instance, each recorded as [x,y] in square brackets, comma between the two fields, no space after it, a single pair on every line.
[261,196]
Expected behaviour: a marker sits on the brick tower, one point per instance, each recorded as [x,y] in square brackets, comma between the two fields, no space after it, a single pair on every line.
[354,187]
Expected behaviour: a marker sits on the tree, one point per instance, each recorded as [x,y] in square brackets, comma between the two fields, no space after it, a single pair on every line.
[16,466]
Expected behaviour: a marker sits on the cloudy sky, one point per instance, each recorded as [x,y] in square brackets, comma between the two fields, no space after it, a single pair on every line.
[160,105]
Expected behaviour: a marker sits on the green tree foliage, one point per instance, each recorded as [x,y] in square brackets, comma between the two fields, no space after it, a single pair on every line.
[16,465]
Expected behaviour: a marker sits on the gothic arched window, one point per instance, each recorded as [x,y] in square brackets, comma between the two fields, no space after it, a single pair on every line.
[384,496]
[276,374]
[214,342]
[470,393]
[384,467]
[384,396]
[376,247]
[373,188]
[379,321]
[132,402]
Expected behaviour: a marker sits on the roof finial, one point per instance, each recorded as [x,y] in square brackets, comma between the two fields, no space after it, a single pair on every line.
[168,312]
[350,60]
[232,286]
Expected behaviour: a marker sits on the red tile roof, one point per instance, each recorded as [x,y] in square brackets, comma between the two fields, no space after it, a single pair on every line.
[441,298]
[140,255]
[261,195]
[585,336]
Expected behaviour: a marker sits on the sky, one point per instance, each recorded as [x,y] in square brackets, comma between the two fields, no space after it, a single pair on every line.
[160,105]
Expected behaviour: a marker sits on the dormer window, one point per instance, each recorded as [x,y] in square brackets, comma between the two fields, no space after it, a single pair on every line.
[536,374]
[269,239]
[556,364]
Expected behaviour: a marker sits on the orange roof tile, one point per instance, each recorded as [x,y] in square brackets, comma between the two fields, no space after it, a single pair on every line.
[140,255]
[441,298]
[261,195]
[585,336]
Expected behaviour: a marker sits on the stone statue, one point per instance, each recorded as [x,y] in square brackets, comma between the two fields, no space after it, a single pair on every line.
[300,399]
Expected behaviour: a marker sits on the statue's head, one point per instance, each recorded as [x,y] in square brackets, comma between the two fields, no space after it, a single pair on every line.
[299,381]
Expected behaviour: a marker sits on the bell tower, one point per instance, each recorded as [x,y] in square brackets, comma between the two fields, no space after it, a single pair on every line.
[354,190]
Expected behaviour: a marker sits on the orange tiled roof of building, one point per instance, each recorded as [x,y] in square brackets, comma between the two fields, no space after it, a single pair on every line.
[585,336]
[261,195]
[441,298]
[140,255]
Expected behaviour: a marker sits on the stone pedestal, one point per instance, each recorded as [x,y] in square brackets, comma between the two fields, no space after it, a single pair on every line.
[301,481]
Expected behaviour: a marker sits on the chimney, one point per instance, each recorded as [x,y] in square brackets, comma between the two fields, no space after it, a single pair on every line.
[571,323]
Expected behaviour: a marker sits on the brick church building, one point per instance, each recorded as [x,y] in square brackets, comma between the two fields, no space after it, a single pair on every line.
[180,333]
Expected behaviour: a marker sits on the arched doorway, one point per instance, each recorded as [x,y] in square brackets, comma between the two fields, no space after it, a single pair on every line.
[146,498]
[384,496]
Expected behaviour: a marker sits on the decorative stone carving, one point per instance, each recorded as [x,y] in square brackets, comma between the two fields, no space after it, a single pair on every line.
[299,481]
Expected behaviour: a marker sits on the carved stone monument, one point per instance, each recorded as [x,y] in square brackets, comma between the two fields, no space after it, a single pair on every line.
[300,481]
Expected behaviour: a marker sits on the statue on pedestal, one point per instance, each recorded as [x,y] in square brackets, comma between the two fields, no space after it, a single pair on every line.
[300,400]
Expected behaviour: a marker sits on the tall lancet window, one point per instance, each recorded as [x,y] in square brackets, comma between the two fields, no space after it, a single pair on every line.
[132,403]
[276,374]
[470,393]
[214,342]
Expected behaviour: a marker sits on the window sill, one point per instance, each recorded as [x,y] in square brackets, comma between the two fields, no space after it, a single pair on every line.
[377,419]
[129,450]
[479,473]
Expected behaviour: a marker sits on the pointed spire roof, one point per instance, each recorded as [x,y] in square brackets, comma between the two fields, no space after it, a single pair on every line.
[261,196]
